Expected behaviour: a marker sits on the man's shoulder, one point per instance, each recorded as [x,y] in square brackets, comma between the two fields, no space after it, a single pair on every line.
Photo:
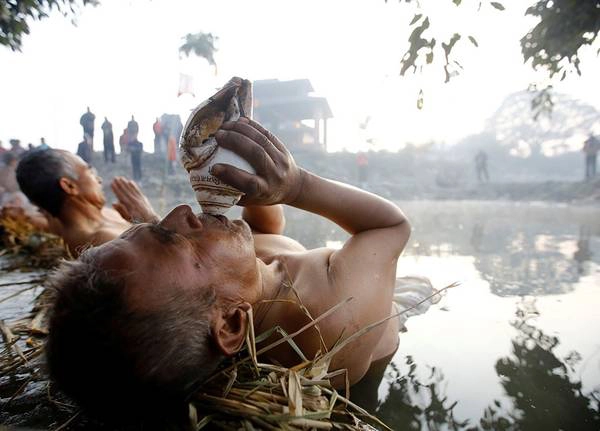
[268,245]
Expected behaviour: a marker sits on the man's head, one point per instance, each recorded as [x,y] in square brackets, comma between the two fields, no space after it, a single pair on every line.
[49,177]
[149,315]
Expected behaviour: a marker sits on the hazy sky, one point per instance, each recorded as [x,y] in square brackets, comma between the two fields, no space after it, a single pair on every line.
[122,58]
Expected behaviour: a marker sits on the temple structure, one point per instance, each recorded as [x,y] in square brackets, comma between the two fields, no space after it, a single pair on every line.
[290,112]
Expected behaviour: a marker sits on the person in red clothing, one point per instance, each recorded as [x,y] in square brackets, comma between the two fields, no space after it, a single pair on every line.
[171,155]
[158,144]
[123,141]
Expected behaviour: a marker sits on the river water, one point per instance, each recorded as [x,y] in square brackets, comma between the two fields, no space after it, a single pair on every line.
[515,346]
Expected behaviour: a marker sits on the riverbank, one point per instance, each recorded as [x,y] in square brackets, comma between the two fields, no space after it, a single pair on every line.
[165,191]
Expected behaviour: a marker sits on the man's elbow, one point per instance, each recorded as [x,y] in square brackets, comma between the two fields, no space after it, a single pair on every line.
[403,230]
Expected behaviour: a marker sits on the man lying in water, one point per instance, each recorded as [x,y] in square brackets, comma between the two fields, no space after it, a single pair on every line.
[144,319]
[69,192]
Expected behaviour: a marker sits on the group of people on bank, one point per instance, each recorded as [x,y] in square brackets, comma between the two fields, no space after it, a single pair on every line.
[128,142]
[166,131]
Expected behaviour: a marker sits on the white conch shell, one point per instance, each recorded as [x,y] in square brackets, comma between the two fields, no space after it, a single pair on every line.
[199,150]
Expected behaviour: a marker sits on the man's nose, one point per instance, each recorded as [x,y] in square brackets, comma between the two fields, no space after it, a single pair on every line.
[181,219]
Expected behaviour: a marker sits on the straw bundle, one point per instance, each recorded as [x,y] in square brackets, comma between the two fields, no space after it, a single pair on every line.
[18,237]
[243,395]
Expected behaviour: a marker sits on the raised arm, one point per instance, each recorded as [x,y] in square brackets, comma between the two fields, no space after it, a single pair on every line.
[353,209]
[265,219]
[131,203]
[279,180]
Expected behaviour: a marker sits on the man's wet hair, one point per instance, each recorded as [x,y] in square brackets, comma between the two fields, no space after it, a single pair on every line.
[121,362]
[39,173]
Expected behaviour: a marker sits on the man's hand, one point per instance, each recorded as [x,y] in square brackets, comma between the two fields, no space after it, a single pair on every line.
[277,180]
[131,202]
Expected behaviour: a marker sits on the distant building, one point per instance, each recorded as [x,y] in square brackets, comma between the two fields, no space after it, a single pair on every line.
[290,112]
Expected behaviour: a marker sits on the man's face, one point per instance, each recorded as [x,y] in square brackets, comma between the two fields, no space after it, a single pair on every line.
[87,180]
[184,251]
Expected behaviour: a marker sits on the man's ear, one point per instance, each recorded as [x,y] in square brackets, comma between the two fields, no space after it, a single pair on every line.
[229,328]
[68,186]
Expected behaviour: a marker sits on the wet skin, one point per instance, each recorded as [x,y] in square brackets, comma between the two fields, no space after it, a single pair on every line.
[194,253]
[191,253]
[84,220]
[185,251]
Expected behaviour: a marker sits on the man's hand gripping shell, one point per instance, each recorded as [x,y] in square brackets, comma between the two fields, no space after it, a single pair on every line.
[278,180]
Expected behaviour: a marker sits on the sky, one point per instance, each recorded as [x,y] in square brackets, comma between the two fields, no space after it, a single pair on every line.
[122,58]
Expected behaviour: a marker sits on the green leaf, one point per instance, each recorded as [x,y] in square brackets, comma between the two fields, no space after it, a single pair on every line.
[457,2]
[429,57]
[473,41]
[416,18]
[420,100]
[497,5]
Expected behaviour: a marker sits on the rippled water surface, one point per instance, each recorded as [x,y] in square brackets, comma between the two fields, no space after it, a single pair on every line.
[517,345]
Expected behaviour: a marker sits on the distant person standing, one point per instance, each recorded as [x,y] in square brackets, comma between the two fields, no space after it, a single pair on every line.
[132,129]
[87,122]
[590,149]
[123,141]
[481,167]
[84,149]
[158,140]
[108,141]
[43,145]
[136,148]
[171,155]
[16,148]
[362,161]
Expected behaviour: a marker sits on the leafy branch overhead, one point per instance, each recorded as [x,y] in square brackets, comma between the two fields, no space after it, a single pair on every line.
[554,44]
[423,46]
[16,15]
[200,44]
[564,27]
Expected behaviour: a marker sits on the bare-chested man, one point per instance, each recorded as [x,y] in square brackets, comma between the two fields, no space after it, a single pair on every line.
[69,192]
[149,315]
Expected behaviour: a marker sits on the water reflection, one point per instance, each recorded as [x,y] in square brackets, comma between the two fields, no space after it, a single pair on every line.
[583,253]
[541,387]
[519,249]
[411,402]
[540,390]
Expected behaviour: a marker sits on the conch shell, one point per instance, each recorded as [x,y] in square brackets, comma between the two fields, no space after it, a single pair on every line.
[199,150]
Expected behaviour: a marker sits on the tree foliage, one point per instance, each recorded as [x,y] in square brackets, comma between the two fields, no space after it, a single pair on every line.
[564,27]
[16,15]
[200,44]
[423,49]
